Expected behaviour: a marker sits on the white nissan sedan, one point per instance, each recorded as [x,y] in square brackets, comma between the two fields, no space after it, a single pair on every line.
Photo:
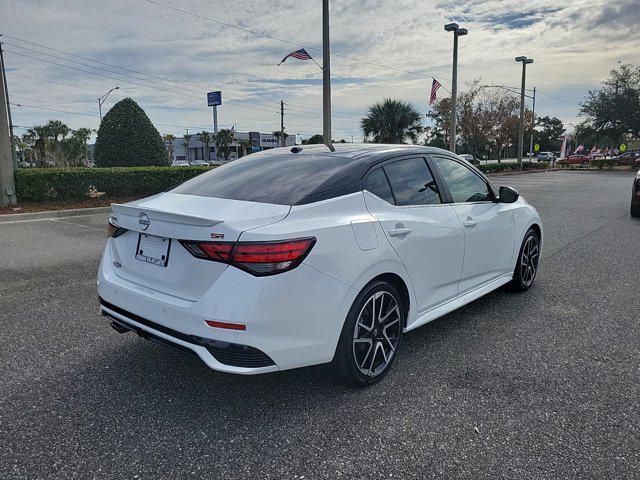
[300,256]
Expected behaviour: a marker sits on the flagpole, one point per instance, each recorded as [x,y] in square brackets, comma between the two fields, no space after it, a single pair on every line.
[326,78]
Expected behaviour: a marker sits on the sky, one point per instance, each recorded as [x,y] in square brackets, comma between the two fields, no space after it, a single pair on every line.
[167,54]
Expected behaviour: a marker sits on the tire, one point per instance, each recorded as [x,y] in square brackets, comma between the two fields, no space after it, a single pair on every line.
[635,209]
[585,164]
[527,265]
[367,347]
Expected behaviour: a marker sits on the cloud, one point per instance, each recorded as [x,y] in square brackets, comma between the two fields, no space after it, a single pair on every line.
[574,45]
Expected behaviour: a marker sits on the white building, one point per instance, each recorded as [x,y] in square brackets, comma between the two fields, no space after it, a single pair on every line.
[259,141]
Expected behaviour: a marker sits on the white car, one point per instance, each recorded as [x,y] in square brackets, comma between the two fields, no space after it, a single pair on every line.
[300,256]
[199,163]
[180,163]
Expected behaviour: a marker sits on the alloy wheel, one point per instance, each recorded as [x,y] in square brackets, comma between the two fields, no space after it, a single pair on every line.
[377,333]
[529,260]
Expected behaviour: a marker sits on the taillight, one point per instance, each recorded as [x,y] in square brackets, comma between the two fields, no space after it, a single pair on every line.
[257,258]
[114,231]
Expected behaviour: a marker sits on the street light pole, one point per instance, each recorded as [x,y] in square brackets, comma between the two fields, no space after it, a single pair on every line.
[524,61]
[533,124]
[457,32]
[102,99]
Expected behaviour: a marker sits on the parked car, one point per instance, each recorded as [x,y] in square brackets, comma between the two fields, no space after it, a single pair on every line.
[295,257]
[546,157]
[576,159]
[199,163]
[627,158]
[470,158]
[635,196]
[180,163]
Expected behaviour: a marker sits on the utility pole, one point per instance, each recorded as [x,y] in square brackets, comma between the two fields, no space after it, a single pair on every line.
[7,182]
[326,78]
[457,32]
[284,144]
[533,124]
[6,92]
[525,61]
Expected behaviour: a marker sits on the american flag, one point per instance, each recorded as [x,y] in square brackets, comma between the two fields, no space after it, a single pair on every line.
[299,54]
[434,90]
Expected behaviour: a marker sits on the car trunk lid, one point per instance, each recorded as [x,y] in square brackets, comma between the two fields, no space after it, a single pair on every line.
[149,253]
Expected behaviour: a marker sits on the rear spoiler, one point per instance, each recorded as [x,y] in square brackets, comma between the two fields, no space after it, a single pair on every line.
[164,216]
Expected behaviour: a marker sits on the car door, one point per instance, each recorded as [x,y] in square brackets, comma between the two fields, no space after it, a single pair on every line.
[425,232]
[489,227]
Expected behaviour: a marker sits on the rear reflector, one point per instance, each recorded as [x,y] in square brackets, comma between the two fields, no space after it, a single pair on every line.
[228,326]
[257,258]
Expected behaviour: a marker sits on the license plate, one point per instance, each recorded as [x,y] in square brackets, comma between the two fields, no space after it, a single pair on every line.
[152,249]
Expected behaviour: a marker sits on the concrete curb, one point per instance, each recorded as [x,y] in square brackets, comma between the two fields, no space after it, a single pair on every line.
[74,212]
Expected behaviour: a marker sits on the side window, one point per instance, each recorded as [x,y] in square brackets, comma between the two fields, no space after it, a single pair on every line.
[464,185]
[412,182]
[378,185]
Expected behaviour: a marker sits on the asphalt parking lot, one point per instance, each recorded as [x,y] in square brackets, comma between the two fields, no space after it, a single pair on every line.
[538,385]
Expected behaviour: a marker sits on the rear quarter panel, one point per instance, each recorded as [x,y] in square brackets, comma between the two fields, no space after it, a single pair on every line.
[337,252]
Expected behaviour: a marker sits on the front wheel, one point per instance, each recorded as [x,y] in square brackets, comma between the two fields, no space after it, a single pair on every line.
[371,336]
[527,266]
[635,209]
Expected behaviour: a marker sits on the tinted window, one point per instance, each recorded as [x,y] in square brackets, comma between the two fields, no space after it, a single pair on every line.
[378,185]
[281,179]
[412,182]
[464,185]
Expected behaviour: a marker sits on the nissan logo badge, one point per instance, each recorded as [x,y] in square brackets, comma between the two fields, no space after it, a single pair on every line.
[144,221]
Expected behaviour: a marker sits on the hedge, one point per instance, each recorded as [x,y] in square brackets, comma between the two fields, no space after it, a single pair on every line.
[506,167]
[51,184]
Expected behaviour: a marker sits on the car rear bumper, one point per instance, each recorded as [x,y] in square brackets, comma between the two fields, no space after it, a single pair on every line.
[293,319]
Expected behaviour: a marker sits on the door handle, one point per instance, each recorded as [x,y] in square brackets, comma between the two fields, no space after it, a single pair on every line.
[469,222]
[399,232]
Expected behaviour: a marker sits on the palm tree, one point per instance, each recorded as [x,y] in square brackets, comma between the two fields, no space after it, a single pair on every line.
[205,138]
[224,138]
[185,144]
[169,139]
[246,146]
[278,135]
[392,121]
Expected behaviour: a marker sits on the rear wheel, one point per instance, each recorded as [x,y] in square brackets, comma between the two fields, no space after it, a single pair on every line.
[635,209]
[371,335]
[527,266]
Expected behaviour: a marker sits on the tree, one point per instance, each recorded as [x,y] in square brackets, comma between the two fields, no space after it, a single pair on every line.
[613,109]
[205,138]
[487,122]
[224,139]
[168,140]
[392,121]
[245,145]
[185,145]
[549,135]
[313,140]
[127,137]
[278,134]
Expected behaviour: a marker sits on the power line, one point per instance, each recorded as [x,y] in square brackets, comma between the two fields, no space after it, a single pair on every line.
[51,109]
[290,42]
[138,84]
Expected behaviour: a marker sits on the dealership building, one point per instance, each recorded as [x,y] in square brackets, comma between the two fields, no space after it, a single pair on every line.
[259,141]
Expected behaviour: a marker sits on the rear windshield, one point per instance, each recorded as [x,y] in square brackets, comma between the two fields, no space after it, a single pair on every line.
[280,179]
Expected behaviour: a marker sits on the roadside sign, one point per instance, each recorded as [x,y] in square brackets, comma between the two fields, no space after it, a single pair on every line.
[536,147]
[623,148]
[214,98]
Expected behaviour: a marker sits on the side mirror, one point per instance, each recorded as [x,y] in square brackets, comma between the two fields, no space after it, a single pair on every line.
[508,195]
